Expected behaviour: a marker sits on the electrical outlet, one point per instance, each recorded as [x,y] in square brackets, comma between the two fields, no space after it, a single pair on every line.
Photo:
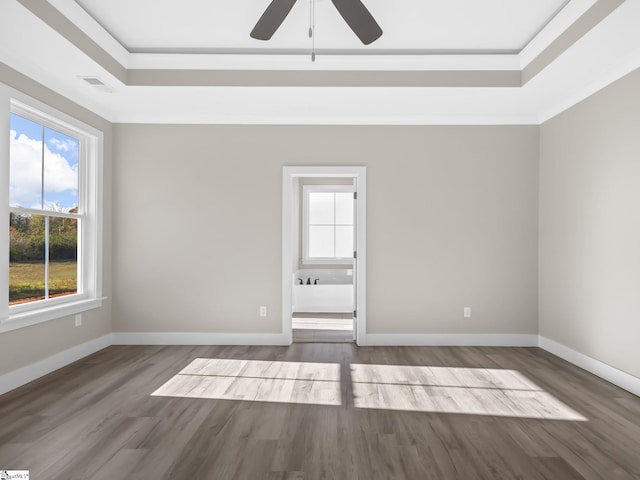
[79,320]
[263,311]
[467,312]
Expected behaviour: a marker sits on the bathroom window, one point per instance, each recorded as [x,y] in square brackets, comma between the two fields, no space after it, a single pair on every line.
[328,224]
[54,215]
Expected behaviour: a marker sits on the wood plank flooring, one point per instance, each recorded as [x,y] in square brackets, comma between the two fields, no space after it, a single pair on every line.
[321,411]
[322,328]
[309,335]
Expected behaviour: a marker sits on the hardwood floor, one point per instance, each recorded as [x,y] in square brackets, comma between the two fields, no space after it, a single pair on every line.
[321,411]
[308,335]
[323,328]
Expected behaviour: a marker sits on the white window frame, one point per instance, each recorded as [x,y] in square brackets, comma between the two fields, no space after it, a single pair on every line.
[306,259]
[90,200]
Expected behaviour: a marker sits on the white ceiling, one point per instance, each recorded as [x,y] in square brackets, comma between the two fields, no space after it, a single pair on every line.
[40,49]
[408,25]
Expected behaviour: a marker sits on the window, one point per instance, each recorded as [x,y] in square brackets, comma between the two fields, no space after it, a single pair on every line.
[43,212]
[54,212]
[328,224]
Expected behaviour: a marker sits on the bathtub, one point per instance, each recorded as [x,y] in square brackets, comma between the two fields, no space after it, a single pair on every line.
[333,292]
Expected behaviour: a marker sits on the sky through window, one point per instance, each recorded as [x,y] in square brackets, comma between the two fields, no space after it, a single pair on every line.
[59,190]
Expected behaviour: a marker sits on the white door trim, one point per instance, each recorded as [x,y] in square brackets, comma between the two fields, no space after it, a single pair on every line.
[360,175]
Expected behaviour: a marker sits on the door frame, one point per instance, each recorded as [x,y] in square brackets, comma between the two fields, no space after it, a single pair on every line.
[360,176]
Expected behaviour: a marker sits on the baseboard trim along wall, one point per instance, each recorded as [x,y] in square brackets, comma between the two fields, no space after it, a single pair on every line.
[449,340]
[17,378]
[180,338]
[599,369]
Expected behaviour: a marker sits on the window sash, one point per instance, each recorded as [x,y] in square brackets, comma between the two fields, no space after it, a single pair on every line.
[306,225]
[47,259]
[45,213]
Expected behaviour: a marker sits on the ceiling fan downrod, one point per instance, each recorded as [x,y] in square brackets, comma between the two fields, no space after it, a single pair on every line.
[312,28]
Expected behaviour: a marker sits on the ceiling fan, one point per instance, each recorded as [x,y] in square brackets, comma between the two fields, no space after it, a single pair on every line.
[353,11]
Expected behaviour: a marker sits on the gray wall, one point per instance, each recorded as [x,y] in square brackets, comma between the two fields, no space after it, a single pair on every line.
[28,345]
[590,226]
[452,222]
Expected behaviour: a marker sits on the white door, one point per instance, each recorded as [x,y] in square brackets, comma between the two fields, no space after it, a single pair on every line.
[355,262]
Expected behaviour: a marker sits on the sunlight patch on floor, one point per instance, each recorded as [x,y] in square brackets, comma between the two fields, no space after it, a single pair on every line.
[472,391]
[257,381]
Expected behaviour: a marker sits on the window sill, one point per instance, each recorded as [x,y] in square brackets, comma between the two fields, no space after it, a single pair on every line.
[327,261]
[40,315]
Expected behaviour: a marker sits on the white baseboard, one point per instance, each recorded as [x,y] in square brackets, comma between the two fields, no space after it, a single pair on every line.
[448,340]
[598,368]
[179,338]
[22,376]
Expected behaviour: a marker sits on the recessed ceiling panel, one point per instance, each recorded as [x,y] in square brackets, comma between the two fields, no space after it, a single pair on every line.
[448,26]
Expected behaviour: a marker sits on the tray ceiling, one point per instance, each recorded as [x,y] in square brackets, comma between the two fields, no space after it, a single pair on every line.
[446,62]
[504,26]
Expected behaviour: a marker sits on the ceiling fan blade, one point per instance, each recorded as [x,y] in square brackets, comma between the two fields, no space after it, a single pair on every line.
[271,19]
[359,19]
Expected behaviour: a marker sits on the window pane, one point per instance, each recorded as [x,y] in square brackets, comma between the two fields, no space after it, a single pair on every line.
[321,208]
[344,208]
[63,256]
[344,242]
[25,163]
[26,258]
[321,241]
[60,171]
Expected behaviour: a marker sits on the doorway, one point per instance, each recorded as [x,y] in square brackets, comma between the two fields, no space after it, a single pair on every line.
[328,250]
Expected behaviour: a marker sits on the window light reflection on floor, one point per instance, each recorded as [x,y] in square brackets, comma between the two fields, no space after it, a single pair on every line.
[257,380]
[473,391]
